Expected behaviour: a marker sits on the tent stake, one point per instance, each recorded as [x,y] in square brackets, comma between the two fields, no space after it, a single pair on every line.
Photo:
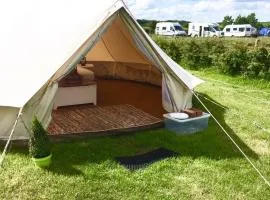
[9,138]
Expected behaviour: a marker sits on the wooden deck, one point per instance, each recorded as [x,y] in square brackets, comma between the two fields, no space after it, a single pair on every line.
[87,120]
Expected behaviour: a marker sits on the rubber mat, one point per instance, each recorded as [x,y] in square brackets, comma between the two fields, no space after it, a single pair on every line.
[143,160]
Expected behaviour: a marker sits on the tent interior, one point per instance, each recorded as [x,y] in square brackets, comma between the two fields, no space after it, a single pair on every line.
[113,72]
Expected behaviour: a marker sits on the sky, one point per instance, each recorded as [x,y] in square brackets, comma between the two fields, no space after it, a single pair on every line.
[198,10]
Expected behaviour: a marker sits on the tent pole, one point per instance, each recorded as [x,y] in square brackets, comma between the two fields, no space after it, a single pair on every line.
[9,138]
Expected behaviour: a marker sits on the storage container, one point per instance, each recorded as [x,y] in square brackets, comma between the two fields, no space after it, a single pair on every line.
[186,126]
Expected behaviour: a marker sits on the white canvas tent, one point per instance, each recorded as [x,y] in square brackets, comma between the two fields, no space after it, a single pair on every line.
[42,41]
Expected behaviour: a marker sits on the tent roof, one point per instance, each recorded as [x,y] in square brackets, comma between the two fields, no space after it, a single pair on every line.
[38,37]
[110,47]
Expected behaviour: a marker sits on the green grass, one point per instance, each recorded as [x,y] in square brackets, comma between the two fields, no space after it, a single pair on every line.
[208,167]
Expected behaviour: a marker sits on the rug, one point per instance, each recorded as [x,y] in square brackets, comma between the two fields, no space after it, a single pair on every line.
[143,160]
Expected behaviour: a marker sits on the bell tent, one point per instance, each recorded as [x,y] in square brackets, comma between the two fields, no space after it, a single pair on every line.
[57,53]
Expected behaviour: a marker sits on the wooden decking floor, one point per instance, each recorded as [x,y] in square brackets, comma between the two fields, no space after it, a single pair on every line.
[94,119]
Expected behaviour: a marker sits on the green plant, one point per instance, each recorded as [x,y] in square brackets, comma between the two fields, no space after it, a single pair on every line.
[259,65]
[39,143]
[196,55]
[233,56]
[234,61]
[171,46]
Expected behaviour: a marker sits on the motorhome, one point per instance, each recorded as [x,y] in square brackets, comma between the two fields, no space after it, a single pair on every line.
[239,30]
[204,30]
[169,29]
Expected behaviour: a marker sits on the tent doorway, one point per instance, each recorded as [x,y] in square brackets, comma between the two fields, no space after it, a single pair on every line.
[116,82]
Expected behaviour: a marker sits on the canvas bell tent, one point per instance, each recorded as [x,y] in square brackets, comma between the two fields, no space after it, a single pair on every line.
[58,53]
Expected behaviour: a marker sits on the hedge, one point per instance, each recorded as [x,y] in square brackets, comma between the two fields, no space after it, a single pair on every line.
[248,58]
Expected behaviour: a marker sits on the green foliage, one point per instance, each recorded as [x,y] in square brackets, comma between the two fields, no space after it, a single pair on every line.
[249,63]
[226,21]
[240,61]
[265,24]
[171,46]
[195,56]
[241,20]
[190,53]
[147,29]
[148,25]
[234,61]
[174,50]
[259,65]
[228,56]
[39,143]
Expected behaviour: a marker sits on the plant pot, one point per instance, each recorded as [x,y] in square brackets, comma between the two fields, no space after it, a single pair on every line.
[43,162]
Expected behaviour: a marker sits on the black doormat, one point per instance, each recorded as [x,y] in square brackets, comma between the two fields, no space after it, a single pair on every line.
[143,160]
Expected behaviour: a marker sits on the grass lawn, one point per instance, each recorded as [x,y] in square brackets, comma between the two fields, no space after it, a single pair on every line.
[208,167]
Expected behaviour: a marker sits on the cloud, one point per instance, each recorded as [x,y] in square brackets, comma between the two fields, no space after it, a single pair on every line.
[198,10]
[141,4]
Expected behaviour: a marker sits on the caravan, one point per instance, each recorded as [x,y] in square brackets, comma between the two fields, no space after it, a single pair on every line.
[239,30]
[169,29]
[204,30]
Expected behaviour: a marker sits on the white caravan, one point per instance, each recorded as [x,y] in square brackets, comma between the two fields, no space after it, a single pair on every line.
[204,30]
[239,30]
[169,29]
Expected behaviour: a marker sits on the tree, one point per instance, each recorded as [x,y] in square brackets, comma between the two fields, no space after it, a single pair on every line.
[39,143]
[250,19]
[226,21]
[241,20]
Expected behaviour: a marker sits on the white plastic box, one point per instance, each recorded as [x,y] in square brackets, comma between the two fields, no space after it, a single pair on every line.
[186,126]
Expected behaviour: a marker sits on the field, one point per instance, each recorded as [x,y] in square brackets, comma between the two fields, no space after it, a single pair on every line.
[208,166]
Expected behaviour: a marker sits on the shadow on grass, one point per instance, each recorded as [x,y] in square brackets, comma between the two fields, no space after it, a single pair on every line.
[214,138]
[211,143]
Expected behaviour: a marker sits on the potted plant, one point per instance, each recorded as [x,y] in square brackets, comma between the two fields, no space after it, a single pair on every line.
[39,145]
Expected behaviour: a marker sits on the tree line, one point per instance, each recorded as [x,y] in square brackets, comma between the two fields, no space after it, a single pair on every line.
[240,19]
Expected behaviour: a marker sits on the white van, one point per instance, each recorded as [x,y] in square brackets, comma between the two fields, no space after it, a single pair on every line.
[239,30]
[170,29]
[204,30]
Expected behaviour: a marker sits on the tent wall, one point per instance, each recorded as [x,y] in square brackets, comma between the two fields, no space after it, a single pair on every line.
[145,97]
[127,71]
[116,45]
[41,103]
[116,56]
[8,116]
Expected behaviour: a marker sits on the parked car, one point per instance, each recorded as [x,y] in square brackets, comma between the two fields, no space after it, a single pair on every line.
[239,30]
[204,30]
[169,29]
